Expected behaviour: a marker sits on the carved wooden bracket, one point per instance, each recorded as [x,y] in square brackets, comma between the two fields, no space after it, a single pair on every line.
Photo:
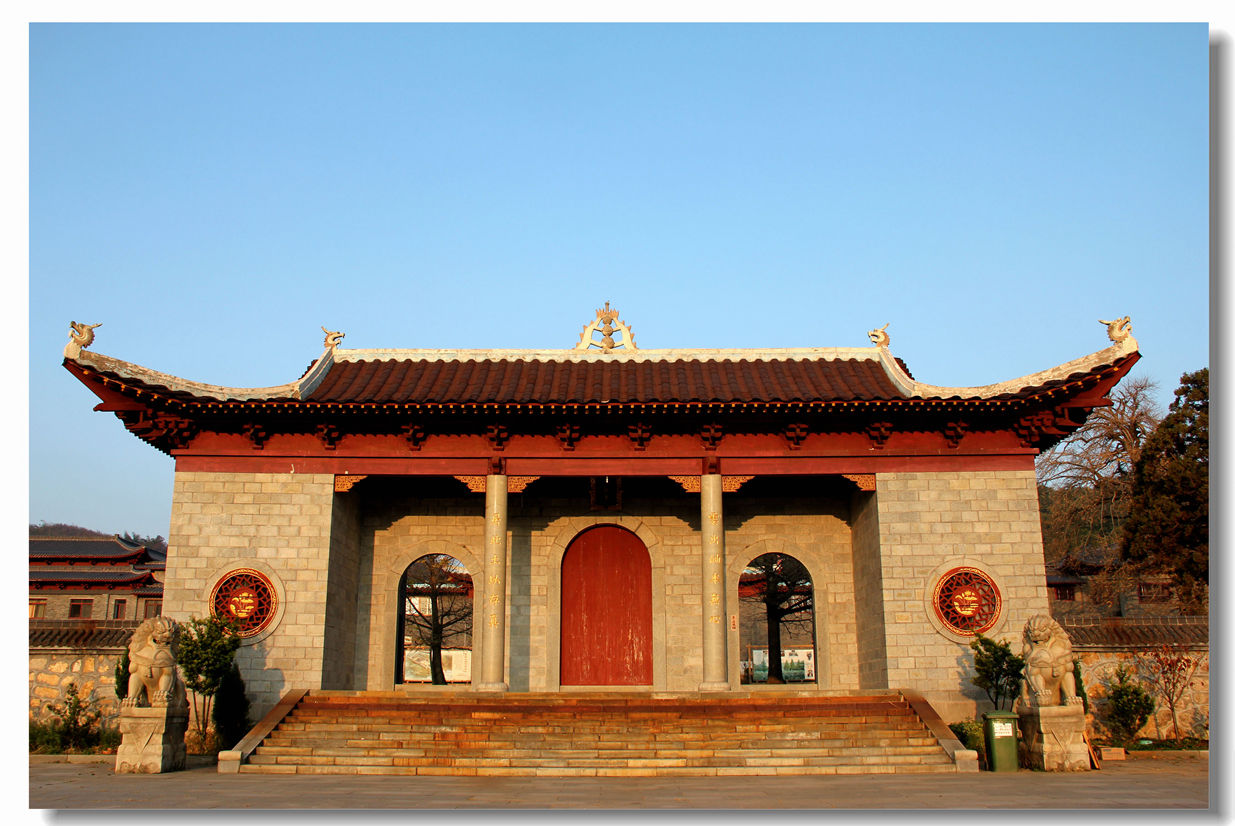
[568,434]
[256,434]
[329,434]
[711,434]
[414,434]
[517,484]
[640,434]
[795,434]
[514,484]
[1031,427]
[864,481]
[728,484]
[498,435]
[476,484]
[879,433]
[342,484]
[173,430]
[178,432]
[953,432]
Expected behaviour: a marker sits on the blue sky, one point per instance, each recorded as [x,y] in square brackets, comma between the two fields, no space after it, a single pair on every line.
[214,194]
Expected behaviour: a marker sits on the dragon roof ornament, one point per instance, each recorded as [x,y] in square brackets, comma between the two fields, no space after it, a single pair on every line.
[879,337]
[333,338]
[81,336]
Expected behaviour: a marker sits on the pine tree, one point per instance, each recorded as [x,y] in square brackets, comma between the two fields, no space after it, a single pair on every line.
[1168,529]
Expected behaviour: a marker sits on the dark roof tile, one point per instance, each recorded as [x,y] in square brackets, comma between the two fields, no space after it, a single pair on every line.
[81,633]
[1136,632]
[520,381]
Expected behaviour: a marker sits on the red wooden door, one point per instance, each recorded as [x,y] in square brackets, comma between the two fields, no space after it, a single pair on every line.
[606,609]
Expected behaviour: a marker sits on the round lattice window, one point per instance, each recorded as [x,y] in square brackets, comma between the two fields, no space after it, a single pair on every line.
[247,598]
[967,601]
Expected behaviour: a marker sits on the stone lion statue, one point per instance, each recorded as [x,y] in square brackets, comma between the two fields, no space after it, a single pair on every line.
[153,680]
[1048,679]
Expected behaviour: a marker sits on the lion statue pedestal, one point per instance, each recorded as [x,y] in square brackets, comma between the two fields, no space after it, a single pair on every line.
[1051,716]
[155,715]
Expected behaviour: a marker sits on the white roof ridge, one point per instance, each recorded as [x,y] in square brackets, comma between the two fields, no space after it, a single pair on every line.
[558,355]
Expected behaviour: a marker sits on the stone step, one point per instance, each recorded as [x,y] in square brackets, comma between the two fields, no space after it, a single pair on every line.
[922,746]
[607,771]
[613,734]
[597,762]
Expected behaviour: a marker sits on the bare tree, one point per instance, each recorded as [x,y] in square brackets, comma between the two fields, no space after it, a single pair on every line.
[1085,481]
[1170,671]
[437,607]
[782,586]
[1109,444]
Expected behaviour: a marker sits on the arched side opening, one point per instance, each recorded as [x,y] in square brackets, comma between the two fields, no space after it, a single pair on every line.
[776,607]
[606,611]
[434,627]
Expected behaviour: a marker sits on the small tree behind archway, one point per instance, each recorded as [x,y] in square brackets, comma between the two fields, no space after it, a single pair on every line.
[437,608]
[779,588]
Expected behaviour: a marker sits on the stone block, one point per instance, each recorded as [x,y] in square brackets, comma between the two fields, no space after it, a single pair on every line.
[152,740]
[1052,738]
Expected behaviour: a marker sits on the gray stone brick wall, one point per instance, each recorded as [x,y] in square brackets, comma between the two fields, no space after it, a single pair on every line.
[930,523]
[279,524]
[339,643]
[868,592]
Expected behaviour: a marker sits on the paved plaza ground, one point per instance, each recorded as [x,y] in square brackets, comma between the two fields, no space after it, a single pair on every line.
[1173,782]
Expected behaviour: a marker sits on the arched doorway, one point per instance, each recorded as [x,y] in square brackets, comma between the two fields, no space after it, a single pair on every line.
[435,622]
[606,618]
[776,605]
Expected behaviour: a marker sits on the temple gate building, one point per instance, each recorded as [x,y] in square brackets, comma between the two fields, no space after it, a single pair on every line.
[602,504]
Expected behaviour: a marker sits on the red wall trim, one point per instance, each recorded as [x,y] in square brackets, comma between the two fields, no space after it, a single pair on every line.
[607,466]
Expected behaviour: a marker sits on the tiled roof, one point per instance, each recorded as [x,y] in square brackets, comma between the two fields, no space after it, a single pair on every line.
[582,382]
[99,547]
[575,377]
[102,550]
[139,583]
[99,575]
[81,633]
[1136,632]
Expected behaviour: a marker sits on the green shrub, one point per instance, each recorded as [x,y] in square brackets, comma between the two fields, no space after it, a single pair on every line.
[1128,707]
[44,738]
[971,733]
[997,671]
[122,676]
[207,648]
[76,718]
[1080,684]
[108,739]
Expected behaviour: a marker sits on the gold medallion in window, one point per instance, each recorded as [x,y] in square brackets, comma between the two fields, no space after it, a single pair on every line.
[245,597]
[967,601]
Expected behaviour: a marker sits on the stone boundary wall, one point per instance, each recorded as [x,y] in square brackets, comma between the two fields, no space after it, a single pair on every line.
[1098,673]
[92,669]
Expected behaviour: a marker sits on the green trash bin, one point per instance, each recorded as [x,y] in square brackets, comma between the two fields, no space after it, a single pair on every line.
[1000,730]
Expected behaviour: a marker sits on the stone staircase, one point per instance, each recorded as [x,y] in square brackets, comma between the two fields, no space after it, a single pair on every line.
[598,734]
